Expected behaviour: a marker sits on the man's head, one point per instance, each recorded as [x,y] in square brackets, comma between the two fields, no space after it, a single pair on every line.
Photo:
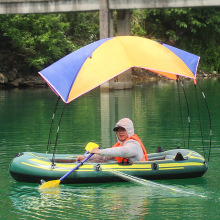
[124,129]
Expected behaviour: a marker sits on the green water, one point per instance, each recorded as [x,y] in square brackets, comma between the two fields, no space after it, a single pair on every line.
[25,117]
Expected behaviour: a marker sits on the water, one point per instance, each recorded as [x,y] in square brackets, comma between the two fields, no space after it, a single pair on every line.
[25,117]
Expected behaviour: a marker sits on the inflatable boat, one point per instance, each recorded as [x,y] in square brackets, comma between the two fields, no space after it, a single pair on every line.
[82,71]
[173,164]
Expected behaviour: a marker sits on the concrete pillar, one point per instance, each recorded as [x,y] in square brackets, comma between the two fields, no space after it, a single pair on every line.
[123,22]
[106,30]
[105,20]
[105,119]
[114,105]
[124,80]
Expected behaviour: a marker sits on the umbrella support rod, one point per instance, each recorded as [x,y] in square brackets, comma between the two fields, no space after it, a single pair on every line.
[210,122]
[51,126]
[181,116]
[55,146]
[187,105]
[201,131]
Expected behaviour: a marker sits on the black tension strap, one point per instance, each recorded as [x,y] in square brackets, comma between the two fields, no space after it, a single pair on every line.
[210,122]
[201,131]
[181,115]
[187,105]
[51,126]
[58,128]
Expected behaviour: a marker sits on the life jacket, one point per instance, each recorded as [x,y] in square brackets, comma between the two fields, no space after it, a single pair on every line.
[136,138]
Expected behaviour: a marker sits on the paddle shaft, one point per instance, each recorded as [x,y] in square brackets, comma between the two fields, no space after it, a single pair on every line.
[76,167]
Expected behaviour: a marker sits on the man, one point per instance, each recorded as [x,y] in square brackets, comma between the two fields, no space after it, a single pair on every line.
[129,146]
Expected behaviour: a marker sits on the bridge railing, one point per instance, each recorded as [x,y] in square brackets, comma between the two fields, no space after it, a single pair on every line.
[53,6]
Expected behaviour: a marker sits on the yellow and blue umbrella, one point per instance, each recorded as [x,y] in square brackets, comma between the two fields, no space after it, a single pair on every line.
[100,61]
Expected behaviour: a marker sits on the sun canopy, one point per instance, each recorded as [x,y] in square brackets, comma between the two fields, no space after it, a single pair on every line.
[98,62]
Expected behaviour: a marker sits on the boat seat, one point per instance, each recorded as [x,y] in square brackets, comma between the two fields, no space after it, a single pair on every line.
[179,157]
[159,149]
[156,158]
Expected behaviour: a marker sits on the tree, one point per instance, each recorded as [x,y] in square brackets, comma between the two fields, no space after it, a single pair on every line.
[83,27]
[41,38]
[196,30]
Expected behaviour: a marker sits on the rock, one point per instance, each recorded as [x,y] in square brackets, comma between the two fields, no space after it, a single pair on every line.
[37,80]
[3,79]
[19,80]
[28,84]
[12,75]
[13,84]
[16,82]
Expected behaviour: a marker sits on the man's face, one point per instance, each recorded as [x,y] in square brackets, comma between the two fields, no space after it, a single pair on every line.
[122,134]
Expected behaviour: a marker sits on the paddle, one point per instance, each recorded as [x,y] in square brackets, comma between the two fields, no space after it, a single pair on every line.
[54,183]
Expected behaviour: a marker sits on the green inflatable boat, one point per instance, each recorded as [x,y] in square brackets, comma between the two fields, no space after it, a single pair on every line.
[178,163]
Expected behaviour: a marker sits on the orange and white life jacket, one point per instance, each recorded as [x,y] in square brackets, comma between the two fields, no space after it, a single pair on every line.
[136,138]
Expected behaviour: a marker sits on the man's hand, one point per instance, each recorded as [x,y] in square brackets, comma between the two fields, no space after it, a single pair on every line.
[80,158]
[95,151]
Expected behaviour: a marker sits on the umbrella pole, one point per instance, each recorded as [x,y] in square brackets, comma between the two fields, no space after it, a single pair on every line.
[187,112]
[201,131]
[58,128]
[51,126]
[210,122]
[180,110]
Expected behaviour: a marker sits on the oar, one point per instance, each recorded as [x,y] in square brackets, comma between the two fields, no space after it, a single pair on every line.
[55,183]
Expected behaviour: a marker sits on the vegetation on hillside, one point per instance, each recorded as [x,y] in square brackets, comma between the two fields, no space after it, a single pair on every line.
[43,39]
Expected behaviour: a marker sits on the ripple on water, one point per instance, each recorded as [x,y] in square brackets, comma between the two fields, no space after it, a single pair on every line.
[102,200]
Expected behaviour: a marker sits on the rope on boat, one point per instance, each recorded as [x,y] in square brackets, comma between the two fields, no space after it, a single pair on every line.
[181,114]
[51,126]
[187,112]
[210,122]
[201,131]
[149,183]
[55,146]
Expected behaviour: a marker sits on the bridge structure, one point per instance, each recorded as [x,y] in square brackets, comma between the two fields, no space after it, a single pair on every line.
[52,6]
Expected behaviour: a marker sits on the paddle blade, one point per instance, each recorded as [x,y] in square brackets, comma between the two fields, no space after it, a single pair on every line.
[91,146]
[50,184]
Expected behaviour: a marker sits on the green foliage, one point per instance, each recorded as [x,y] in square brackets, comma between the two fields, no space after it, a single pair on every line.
[138,23]
[41,38]
[196,30]
[84,27]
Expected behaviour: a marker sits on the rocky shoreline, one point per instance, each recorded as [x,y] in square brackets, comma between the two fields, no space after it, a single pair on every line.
[14,73]
[23,82]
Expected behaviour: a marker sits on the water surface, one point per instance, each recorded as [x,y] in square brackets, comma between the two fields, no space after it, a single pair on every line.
[25,117]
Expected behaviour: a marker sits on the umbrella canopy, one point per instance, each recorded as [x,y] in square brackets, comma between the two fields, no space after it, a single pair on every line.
[98,62]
